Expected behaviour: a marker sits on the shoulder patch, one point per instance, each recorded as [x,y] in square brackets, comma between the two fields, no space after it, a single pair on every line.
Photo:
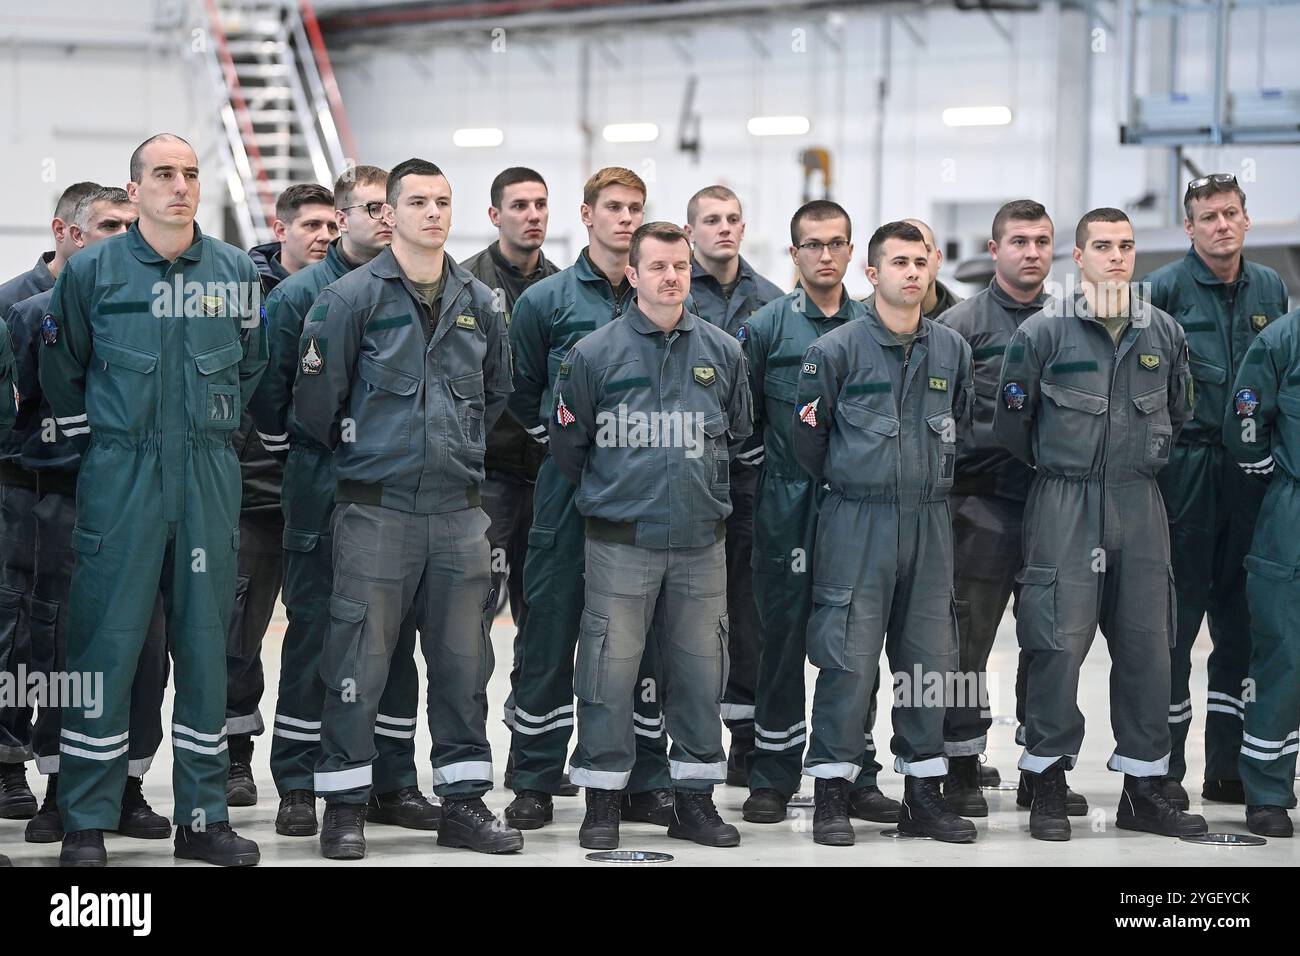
[1013,393]
[1245,402]
[313,363]
[810,368]
[49,330]
[742,333]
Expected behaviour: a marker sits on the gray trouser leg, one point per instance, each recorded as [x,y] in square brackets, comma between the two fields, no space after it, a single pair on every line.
[679,596]
[386,562]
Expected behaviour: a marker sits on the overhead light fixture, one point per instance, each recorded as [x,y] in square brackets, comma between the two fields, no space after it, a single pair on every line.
[778,125]
[976,116]
[472,138]
[631,133]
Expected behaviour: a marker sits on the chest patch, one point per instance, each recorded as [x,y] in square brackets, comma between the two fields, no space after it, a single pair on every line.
[465,322]
[1257,322]
[1149,362]
[705,374]
[213,305]
[939,384]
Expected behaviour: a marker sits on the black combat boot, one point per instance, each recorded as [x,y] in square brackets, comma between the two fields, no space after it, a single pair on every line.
[599,829]
[470,825]
[961,788]
[1047,817]
[650,806]
[241,790]
[831,823]
[216,844]
[407,808]
[530,810]
[138,818]
[695,818]
[297,814]
[343,835]
[764,806]
[83,848]
[1143,806]
[47,825]
[925,814]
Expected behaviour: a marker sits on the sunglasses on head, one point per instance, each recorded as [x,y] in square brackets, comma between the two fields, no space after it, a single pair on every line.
[1218,179]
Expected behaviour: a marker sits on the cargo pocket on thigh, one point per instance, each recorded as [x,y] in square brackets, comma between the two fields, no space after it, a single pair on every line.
[828,627]
[724,636]
[45,635]
[589,668]
[1036,609]
[341,656]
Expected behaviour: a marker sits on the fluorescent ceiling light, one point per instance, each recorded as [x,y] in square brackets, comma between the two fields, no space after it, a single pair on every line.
[469,138]
[777,125]
[631,133]
[976,116]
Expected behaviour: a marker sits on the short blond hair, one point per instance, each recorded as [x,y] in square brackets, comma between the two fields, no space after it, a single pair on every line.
[611,176]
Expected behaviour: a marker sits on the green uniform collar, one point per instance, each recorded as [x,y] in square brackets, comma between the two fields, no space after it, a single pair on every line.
[646,327]
[588,272]
[698,272]
[885,337]
[844,312]
[146,253]
[1000,296]
[1202,274]
[505,265]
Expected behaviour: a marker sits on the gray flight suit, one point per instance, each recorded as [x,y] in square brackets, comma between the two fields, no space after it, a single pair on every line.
[729,313]
[405,398]
[988,503]
[641,425]
[879,427]
[1097,420]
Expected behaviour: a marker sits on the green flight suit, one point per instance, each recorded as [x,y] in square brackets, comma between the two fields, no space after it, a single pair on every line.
[548,320]
[150,363]
[1211,504]
[307,502]
[1265,400]
[785,527]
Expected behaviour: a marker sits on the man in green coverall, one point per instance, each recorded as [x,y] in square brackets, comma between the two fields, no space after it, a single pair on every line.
[1261,430]
[153,347]
[548,319]
[1222,302]
[785,516]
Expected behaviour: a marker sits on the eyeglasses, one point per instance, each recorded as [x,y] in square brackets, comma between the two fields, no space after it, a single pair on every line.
[1219,179]
[375,210]
[815,246]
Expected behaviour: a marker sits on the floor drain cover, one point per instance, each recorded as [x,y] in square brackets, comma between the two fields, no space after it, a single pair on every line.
[1226,839]
[629,856]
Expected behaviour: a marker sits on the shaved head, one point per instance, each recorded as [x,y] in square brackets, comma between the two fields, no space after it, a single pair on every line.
[137,158]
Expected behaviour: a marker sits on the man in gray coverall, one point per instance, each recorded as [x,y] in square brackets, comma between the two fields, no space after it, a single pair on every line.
[880,402]
[644,407]
[1093,400]
[404,367]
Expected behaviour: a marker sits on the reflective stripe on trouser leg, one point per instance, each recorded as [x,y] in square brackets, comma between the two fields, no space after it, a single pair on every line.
[785,522]
[691,628]
[1229,620]
[1271,738]
[55,516]
[455,609]
[547,636]
[622,586]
